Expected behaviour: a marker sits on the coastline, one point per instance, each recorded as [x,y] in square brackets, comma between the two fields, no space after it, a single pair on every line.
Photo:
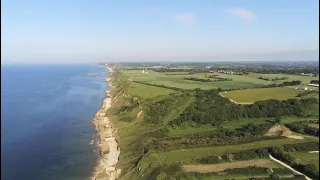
[108,145]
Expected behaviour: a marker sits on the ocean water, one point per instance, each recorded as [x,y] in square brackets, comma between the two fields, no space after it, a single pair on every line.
[46,121]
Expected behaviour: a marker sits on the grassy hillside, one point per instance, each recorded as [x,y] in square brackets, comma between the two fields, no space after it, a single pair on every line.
[260,94]
[152,147]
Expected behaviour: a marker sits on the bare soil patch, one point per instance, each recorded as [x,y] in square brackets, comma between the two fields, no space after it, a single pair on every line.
[140,115]
[274,131]
[221,167]
[281,130]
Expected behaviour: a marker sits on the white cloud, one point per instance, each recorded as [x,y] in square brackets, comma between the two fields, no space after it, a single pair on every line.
[242,13]
[188,19]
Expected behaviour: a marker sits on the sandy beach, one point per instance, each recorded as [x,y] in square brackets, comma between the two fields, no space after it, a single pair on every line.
[109,149]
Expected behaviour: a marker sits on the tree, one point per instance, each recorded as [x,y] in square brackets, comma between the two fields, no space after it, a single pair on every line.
[274,176]
[278,119]
[161,176]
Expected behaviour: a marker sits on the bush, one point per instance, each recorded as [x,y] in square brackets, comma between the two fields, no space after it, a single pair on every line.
[307,146]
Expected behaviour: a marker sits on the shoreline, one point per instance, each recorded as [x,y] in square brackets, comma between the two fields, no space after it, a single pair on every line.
[109,150]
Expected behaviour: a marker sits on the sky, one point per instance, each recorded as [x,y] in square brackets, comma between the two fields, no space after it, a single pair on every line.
[166,30]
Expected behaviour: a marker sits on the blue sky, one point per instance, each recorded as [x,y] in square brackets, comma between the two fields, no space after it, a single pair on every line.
[100,30]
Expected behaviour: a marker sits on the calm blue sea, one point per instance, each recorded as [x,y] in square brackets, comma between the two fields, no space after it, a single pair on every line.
[46,121]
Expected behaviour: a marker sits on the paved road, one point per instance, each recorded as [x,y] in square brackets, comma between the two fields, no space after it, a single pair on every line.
[289,167]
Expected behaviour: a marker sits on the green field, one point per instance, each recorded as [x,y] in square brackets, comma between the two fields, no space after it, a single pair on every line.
[186,155]
[179,81]
[147,92]
[307,158]
[260,94]
[238,81]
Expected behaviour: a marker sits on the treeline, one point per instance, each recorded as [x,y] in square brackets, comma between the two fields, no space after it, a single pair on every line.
[156,111]
[236,156]
[259,153]
[272,79]
[210,108]
[252,170]
[290,83]
[309,169]
[199,79]
[286,83]
[305,93]
[209,80]
[303,128]
[301,147]
[162,86]
[218,78]
[173,74]
[245,134]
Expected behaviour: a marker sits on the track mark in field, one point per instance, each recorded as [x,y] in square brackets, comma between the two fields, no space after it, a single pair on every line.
[223,166]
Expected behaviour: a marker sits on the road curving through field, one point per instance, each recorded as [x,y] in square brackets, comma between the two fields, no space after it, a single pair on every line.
[289,167]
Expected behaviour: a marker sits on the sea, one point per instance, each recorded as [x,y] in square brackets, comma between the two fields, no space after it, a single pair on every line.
[46,120]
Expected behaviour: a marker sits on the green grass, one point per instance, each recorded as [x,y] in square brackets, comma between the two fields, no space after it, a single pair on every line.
[291,119]
[189,129]
[189,154]
[307,158]
[260,94]
[233,176]
[146,91]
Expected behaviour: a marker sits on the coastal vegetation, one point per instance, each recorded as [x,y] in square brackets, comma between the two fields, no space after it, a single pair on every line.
[170,127]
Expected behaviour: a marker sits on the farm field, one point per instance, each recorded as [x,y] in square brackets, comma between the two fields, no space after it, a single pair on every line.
[147,92]
[189,154]
[260,94]
[179,81]
[238,81]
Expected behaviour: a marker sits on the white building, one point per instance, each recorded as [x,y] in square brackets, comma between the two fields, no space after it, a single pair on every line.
[315,85]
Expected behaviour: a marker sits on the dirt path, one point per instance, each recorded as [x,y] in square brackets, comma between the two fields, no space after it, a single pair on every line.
[231,165]
[235,101]
[313,151]
[289,167]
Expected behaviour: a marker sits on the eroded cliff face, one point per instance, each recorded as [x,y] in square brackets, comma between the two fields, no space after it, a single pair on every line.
[109,149]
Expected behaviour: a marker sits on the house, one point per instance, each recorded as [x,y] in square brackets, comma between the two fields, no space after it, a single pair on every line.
[306,74]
